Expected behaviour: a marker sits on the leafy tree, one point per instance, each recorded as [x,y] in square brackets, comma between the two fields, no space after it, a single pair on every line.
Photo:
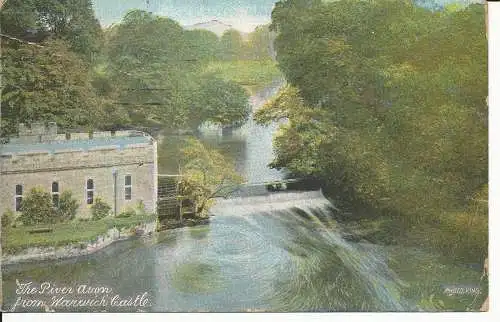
[47,84]
[8,218]
[157,65]
[100,209]
[39,20]
[37,208]
[231,45]
[218,101]
[151,60]
[380,124]
[260,44]
[205,173]
[68,206]
[203,44]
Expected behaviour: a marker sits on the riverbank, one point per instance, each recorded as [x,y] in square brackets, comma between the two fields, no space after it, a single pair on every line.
[54,246]
[72,239]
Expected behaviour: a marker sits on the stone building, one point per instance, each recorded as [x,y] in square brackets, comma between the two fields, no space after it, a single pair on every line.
[118,167]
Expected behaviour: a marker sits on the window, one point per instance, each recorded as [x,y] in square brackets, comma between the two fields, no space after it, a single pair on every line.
[90,191]
[19,197]
[55,194]
[128,187]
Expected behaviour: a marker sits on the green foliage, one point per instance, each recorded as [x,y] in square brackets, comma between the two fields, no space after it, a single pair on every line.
[100,209]
[464,235]
[250,74]
[47,84]
[8,218]
[220,102]
[128,212]
[203,43]
[405,133]
[260,44]
[146,71]
[72,21]
[37,208]
[66,233]
[205,171]
[67,207]
[158,77]
[231,45]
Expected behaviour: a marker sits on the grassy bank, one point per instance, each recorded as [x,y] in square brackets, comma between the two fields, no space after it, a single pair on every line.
[19,238]
[251,74]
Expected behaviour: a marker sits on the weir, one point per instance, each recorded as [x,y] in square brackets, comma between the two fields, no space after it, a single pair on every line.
[298,228]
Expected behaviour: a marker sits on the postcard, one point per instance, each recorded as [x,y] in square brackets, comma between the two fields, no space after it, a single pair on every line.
[244,156]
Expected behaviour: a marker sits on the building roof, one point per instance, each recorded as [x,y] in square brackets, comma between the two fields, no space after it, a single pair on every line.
[118,142]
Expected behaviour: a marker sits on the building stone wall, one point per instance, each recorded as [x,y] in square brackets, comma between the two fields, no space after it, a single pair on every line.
[72,168]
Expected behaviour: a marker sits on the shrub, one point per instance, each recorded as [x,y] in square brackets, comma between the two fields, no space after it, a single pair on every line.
[100,209]
[67,206]
[37,208]
[8,219]
[128,212]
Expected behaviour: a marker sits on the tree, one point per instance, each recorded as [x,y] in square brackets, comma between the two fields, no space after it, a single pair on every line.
[37,208]
[39,20]
[377,122]
[151,59]
[47,84]
[260,44]
[231,45]
[221,102]
[8,218]
[203,44]
[100,209]
[68,206]
[205,173]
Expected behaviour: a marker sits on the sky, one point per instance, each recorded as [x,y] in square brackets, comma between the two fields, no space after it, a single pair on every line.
[243,15]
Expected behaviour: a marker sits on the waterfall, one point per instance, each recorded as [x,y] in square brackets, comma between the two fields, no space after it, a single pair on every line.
[301,224]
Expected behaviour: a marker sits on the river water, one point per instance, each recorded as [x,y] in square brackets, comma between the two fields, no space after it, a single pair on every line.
[269,252]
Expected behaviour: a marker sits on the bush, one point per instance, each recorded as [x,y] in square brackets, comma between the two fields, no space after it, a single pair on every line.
[37,208]
[8,219]
[67,207]
[128,212]
[100,209]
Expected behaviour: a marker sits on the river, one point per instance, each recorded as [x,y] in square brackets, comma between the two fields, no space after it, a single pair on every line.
[270,252]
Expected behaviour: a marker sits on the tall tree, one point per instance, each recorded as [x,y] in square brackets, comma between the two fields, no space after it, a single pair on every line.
[231,45]
[221,102]
[260,43]
[203,44]
[39,20]
[49,83]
